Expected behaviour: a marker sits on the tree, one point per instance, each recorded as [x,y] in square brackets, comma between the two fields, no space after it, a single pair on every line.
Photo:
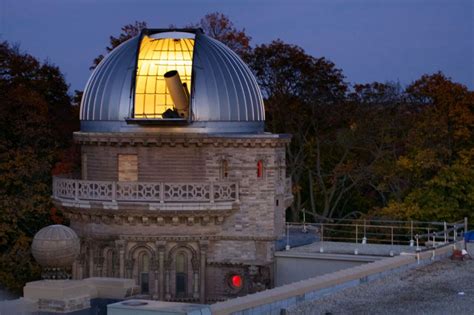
[439,153]
[301,95]
[220,27]
[36,121]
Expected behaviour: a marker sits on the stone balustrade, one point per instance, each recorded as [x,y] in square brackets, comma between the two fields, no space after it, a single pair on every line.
[149,192]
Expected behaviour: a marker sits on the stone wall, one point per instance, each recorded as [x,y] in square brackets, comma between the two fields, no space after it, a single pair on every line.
[279,300]
[239,240]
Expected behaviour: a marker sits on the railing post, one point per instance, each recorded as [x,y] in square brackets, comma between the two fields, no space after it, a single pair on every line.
[162,192]
[211,192]
[365,230]
[76,190]
[465,231]
[114,191]
[445,232]
[391,229]
[321,248]
[357,232]
[322,232]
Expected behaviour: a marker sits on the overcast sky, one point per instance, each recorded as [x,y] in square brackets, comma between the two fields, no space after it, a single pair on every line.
[370,40]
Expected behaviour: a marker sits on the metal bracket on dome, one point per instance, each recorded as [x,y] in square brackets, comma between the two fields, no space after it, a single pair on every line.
[151,31]
[156,121]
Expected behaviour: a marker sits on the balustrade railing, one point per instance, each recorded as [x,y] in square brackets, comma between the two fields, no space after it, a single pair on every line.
[160,192]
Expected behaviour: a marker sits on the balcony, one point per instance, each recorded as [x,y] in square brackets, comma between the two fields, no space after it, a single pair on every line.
[154,196]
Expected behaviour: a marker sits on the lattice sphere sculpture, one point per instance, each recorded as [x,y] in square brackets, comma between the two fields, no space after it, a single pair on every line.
[56,246]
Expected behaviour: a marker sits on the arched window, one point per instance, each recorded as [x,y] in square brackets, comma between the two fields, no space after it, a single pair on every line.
[144,265]
[181,275]
[224,169]
[260,169]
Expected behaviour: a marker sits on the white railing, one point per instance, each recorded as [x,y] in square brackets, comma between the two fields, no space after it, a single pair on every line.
[160,192]
[373,231]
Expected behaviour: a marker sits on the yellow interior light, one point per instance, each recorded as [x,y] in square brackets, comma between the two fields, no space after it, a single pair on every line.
[155,58]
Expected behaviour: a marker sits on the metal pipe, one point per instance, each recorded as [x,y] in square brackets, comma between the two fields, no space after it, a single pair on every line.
[445,232]
[177,92]
[465,231]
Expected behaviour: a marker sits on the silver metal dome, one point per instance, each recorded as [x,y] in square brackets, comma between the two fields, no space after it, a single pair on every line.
[224,96]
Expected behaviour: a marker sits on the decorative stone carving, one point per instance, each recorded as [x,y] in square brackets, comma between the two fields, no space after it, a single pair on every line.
[55,248]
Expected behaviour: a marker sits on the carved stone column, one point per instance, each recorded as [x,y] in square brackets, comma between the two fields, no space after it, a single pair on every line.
[129,268]
[91,261]
[154,269]
[196,284]
[167,285]
[161,268]
[81,262]
[120,245]
[99,262]
[75,268]
[203,246]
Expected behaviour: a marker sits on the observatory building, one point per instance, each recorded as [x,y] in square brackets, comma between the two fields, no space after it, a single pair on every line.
[180,188]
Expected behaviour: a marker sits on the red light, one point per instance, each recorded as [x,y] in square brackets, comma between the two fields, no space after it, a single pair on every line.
[236,281]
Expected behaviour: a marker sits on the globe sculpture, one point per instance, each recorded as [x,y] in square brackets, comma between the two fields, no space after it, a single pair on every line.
[55,248]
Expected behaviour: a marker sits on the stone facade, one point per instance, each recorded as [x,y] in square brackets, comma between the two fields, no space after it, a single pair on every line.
[199,211]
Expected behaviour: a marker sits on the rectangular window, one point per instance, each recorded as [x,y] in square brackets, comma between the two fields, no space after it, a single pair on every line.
[127,167]
[156,57]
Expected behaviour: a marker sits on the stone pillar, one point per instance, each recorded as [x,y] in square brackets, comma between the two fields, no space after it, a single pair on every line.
[120,245]
[99,262]
[80,267]
[154,269]
[91,262]
[196,284]
[203,245]
[75,268]
[129,268]
[167,285]
[161,269]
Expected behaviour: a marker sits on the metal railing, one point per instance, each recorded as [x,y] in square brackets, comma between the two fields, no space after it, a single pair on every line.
[412,233]
[159,192]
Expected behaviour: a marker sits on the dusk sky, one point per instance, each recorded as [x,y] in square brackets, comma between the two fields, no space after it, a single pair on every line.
[370,40]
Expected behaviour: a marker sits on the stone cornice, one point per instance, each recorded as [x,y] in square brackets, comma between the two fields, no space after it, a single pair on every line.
[162,239]
[197,238]
[183,140]
[145,216]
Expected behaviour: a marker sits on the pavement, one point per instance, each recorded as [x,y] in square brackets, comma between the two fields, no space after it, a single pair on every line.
[443,287]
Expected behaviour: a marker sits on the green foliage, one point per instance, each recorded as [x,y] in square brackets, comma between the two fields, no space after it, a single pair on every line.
[36,121]
[437,163]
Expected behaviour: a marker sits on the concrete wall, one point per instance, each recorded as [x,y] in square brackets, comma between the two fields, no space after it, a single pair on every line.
[292,267]
[276,300]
